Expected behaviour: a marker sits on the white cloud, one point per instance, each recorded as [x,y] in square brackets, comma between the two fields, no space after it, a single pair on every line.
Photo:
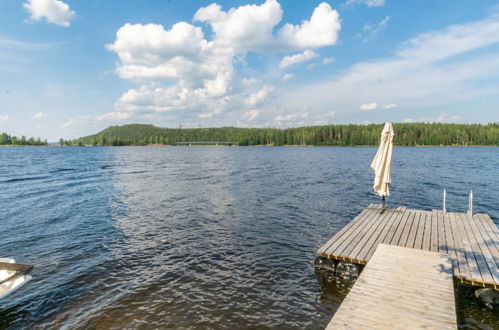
[287,76]
[150,51]
[245,27]
[369,3]
[54,11]
[251,114]
[425,72]
[69,123]
[4,117]
[201,72]
[260,96]
[371,31]
[40,115]
[327,60]
[251,27]
[368,106]
[297,58]
[322,29]
[390,106]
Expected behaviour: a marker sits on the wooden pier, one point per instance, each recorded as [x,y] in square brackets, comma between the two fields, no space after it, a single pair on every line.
[470,241]
[383,298]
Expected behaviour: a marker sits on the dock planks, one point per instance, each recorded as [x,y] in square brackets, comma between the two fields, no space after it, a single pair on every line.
[471,242]
[382,299]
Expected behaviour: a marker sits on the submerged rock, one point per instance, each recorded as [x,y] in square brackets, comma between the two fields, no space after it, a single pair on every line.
[322,263]
[488,297]
[347,271]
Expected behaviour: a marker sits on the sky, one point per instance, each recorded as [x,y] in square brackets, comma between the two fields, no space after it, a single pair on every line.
[71,68]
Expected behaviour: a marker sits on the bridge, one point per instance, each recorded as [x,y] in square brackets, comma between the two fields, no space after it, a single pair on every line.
[204,143]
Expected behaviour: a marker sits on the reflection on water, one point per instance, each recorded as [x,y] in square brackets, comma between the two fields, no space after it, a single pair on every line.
[204,237]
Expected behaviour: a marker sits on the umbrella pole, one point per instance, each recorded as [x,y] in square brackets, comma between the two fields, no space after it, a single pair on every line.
[383,204]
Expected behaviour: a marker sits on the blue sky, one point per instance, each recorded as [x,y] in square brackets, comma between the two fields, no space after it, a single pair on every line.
[71,68]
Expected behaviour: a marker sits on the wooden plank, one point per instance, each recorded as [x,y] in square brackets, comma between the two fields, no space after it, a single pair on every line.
[494,231]
[418,241]
[407,228]
[413,230]
[385,221]
[434,232]
[382,299]
[328,244]
[474,238]
[449,240]
[486,226]
[390,226]
[342,238]
[393,230]
[400,229]
[352,247]
[468,250]
[442,244]
[486,251]
[464,270]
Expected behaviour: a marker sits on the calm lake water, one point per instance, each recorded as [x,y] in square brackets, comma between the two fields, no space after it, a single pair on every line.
[205,237]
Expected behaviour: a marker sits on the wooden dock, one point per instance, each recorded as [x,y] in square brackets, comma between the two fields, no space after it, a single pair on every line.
[383,298]
[470,241]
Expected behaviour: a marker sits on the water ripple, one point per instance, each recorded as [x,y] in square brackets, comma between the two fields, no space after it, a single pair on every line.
[203,238]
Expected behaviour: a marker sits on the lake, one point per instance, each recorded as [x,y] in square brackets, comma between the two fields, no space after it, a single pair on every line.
[205,237]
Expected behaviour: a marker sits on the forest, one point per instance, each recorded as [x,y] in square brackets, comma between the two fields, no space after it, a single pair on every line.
[6,139]
[406,134]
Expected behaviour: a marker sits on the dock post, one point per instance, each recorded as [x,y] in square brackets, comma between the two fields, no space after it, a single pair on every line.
[444,208]
[470,203]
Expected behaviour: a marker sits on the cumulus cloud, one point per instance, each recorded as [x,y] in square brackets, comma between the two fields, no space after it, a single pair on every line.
[287,76]
[180,69]
[40,115]
[245,27]
[321,30]
[297,58]
[368,106]
[150,51]
[53,11]
[4,117]
[251,27]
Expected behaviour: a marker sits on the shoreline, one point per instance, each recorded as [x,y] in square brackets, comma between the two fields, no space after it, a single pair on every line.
[262,145]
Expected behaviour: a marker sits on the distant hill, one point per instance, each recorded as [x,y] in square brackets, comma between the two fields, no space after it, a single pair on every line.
[406,134]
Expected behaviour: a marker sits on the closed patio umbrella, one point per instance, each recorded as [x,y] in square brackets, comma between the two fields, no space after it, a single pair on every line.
[381,163]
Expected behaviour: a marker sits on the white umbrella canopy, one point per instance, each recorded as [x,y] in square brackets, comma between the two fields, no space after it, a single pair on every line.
[381,162]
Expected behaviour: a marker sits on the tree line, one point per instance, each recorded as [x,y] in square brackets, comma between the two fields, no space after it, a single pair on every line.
[6,139]
[406,134]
